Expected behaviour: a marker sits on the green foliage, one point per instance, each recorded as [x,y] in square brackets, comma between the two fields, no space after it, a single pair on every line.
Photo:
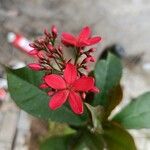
[23,87]
[108,74]
[113,137]
[99,132]
[136,114]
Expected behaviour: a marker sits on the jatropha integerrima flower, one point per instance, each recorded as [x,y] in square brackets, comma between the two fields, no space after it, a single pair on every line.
[64,76]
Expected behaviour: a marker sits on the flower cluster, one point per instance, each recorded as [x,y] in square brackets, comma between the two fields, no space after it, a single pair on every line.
[65,78]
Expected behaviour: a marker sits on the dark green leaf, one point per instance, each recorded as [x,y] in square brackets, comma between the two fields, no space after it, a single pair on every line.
[23,87]
[114,98]
[107,73]
[117,138]
[136,114]
[88,141]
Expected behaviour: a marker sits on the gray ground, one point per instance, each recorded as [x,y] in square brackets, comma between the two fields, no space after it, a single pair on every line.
[125,22]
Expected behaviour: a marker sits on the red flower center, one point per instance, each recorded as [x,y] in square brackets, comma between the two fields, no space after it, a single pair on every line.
[69,87]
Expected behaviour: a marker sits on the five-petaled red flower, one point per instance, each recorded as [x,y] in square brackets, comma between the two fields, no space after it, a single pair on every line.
[82,40]
[69,87]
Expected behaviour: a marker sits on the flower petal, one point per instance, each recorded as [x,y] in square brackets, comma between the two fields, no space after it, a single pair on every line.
[70,73]
[84,33]
[83,84]
[58,99]
[68,39]
[82,43]
[75,102]
[94,40]
[55,81]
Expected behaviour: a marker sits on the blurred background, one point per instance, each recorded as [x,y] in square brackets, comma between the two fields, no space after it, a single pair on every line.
[124,27]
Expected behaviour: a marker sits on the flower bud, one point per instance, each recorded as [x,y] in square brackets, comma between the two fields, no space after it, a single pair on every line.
[50,93]
[33,52]
[54,31]
[83,95]
[86,60]
[60,48]
[47,33]
[92,59]
[92,50]
[50,47]
[41,40]
[3,94]
[47,67]
[49,55]
[95,90]
[41,54]
[35,67]
[81,51]
[43,86]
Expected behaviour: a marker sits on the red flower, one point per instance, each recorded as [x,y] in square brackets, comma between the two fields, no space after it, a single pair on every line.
[80,41]
[68,87]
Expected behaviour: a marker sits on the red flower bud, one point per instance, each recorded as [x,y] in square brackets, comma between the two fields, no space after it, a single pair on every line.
[60,48]
[81,51]
[47,33]
[41,40]
[49,55]
[83,95]
[41,54]
[54,31]
[35,67]
[92,59]
[50,47]
[86,60]
[47,67]
[92,50]
[43,86]
[95,90]
[50,93]
[33,52]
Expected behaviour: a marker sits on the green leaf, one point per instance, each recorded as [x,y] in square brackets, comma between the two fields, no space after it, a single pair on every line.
[136,114]
[108,74]
[78,141]
[95,113]
[88,141]
[56,143]
[117,138]
[23,87]
[114,98]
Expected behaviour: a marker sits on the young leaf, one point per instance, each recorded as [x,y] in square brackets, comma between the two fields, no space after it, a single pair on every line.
[136,114]
[23,87]
[117,138]
[107,73]
[95,113]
